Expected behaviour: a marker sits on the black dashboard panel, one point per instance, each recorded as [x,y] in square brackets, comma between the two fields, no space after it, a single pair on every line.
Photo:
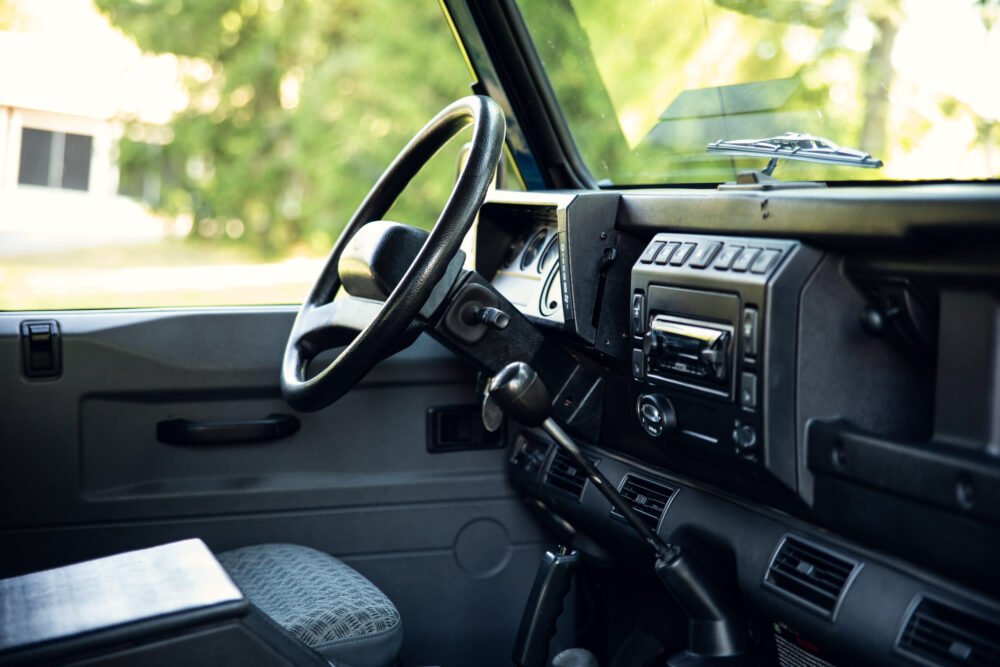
[732,397]
[805,377]
[865,617]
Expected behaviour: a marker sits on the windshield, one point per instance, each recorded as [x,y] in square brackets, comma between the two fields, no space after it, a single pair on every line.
[645,87]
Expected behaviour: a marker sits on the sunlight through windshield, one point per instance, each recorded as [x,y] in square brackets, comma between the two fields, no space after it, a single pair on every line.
[646,86]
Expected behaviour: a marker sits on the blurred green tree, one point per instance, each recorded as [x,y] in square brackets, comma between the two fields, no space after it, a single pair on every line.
[295,108]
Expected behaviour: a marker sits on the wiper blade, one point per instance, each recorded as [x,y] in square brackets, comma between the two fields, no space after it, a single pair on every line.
[796,146]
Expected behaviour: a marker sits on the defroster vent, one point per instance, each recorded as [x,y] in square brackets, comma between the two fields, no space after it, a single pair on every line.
[812,575]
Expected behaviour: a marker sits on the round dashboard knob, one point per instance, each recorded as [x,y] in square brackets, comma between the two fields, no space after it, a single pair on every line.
[656,415]
[650,343]
[745,438]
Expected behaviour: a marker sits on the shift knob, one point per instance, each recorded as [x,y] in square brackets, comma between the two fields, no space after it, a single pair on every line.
[520,393]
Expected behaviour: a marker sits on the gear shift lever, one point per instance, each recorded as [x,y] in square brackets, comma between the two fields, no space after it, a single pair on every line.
[717,633]
[520,393]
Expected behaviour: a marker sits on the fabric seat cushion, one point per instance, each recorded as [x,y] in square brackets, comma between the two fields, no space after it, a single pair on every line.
[322,601]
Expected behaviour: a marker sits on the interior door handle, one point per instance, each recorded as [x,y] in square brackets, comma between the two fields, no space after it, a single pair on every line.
[187,432]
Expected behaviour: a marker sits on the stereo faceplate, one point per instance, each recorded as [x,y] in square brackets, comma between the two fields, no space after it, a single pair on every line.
[704,339]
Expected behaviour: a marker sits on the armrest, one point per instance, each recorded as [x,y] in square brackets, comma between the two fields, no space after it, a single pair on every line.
[128,594]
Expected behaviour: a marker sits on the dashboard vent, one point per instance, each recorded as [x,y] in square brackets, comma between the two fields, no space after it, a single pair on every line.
[943,635]
[649,499]
[565,475]
[810,574]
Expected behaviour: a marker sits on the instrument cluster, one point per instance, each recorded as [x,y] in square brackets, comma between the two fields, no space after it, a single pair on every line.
[530,274]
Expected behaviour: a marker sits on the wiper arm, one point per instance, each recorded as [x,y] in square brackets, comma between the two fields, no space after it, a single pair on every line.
[795,146]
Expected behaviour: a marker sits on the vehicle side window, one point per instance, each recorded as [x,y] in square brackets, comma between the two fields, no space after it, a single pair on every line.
[206,152]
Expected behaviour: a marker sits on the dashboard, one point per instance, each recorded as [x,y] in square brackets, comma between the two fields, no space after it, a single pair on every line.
[791,398]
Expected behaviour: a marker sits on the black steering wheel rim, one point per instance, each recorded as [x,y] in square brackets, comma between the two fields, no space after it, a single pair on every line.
[408,297]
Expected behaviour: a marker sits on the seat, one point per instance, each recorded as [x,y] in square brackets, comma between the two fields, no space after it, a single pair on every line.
[320,600]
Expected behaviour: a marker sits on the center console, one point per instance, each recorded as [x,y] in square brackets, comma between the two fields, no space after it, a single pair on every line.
[712,323]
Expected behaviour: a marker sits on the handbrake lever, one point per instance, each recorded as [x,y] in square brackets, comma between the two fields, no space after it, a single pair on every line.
[545,604]
[717,632]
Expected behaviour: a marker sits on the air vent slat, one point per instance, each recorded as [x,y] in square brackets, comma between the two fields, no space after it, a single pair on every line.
[947,635]
[810,574]
[824,579]
[565,475]
[816,568]
[649,499]
[793,584]
[818,556]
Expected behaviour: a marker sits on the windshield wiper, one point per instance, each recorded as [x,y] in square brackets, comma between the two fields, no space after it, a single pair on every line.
[795,146]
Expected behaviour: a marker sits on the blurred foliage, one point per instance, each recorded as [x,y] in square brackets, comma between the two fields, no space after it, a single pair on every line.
[295,108]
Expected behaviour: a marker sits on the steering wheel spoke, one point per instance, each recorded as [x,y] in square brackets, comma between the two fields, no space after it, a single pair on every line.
[368,330]
[336,324]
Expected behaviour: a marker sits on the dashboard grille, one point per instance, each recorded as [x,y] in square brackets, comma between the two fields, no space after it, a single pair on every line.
[809,574]
[565,475]
[945,635]
[649,499]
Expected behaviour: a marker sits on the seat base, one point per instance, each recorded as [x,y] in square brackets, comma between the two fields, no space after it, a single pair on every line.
[320,600]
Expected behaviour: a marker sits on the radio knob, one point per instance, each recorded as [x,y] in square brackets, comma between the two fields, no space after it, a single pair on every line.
[656,415]
[745,438]
[650,343]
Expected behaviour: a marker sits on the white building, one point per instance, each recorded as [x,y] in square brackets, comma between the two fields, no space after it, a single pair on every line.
[68,84]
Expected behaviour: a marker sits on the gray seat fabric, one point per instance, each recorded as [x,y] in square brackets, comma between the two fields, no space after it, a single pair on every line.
[320,600]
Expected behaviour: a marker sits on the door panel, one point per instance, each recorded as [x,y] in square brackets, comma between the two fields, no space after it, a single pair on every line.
[82,473]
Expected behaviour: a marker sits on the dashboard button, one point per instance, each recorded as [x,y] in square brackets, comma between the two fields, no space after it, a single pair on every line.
[638,306]
[749,331]
[765,261]
[745,259]
[682,254]
[727,256]
[704,254]
[650,253]
[665,252]
[638,364]
[748,391]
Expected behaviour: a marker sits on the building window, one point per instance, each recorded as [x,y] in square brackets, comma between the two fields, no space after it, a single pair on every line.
[55,159]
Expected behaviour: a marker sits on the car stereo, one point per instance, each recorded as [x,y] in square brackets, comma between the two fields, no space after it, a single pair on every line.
[707,353]
[675,347]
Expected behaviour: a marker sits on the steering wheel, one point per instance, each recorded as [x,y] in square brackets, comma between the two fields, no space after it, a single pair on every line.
[373,261]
